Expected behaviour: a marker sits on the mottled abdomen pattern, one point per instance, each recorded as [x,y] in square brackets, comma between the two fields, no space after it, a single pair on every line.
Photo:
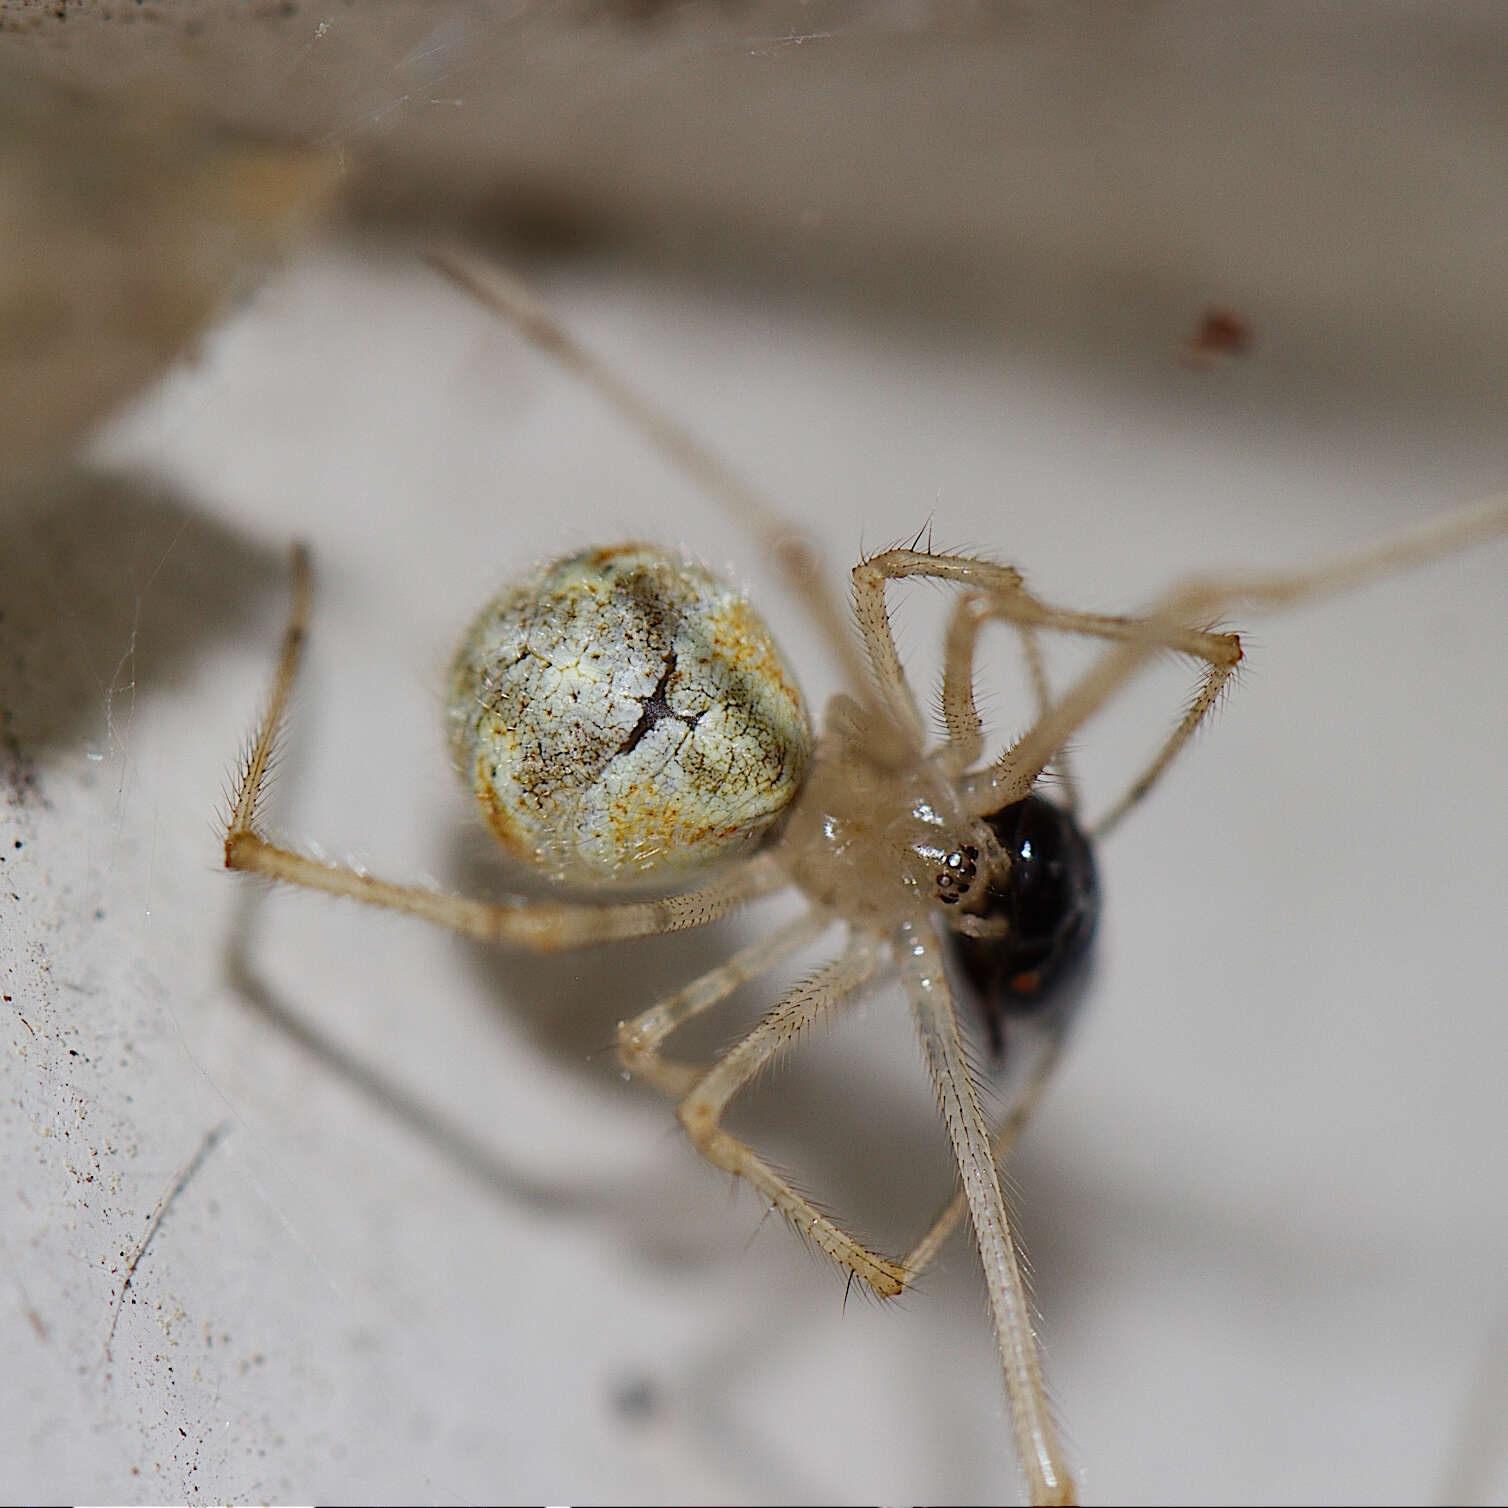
[623,715]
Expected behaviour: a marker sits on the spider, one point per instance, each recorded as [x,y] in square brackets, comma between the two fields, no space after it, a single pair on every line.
[626,721]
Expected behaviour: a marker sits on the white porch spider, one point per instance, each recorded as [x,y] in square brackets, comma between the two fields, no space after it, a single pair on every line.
[897,841]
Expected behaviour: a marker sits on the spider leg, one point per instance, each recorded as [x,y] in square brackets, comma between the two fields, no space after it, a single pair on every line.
[920,960]
[922,1255]
[965,735]
[639,1039]
[1220,652]
[1200,600]
[1139,640]
[702,1109]
[1062,765]
[1206,697]
[784,542]
[965,731]
[873,617]
[997,592]
[543,925]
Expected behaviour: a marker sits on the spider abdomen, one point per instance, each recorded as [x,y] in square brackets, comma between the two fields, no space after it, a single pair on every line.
[623,715]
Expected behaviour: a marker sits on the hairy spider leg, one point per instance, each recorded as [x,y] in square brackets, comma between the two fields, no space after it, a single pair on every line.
[542,925]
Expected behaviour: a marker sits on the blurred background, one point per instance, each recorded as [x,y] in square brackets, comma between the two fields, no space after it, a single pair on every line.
[303,1202]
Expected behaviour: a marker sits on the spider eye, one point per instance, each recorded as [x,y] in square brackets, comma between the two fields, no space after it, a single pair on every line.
[1045,906]
[956,878]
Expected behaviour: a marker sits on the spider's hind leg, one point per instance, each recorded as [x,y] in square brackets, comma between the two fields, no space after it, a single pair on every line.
[924,1253]
[639,1039]
[706,1094]
[541,925]
[786,543]
[241,823]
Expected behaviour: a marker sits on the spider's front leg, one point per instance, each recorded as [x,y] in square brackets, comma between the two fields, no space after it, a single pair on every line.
[1172,623]
[997,592]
